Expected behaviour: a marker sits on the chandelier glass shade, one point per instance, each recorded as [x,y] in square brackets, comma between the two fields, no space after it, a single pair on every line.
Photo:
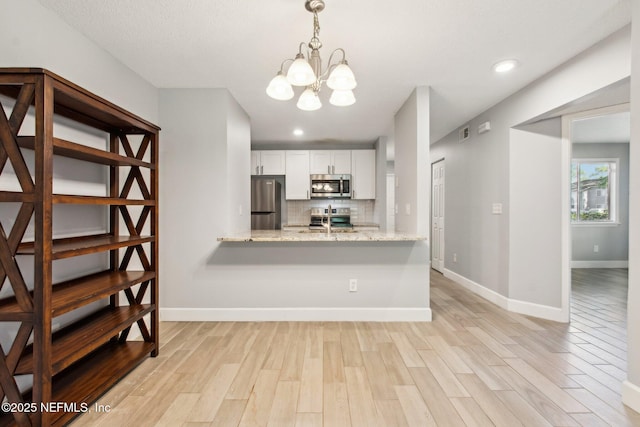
[307,72]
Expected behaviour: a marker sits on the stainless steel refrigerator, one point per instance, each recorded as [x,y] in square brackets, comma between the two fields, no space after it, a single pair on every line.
[265,204]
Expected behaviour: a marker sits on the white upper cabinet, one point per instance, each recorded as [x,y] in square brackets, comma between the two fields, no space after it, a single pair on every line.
[363,174]
[297,182]
[268,162]
[330,161]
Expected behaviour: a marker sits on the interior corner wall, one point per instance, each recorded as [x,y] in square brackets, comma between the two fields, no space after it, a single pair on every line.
[238,162]
[535,198]
[412,163]
[380,208]
[193,188]
[631,387]
[65,51]
[478,168]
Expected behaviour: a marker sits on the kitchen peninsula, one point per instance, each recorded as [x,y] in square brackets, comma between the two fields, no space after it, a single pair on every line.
[226,272]
[303,235]
[299,274]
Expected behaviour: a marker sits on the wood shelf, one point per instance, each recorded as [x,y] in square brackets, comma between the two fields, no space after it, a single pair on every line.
[81,338]
[72,294]
[72,150]
[88,379]
[14,196]
[76,246]
[81,361]
[76,103]
[98,200]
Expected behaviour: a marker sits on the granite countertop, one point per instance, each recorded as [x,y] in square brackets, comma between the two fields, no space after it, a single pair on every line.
[306,236]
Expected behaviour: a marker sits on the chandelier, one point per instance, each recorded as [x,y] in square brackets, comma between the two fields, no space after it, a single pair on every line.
[309,73]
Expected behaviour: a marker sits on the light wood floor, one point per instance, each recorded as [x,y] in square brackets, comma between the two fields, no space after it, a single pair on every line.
[475,365]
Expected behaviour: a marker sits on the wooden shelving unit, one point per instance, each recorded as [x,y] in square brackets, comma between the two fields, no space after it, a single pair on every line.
[78,363]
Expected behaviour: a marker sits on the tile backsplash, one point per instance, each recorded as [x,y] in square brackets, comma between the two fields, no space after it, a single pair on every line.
[362,211]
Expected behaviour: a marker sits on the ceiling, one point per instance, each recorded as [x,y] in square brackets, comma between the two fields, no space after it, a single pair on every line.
[392,47]
[614,128]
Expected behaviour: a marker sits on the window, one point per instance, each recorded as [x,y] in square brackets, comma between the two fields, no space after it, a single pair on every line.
[593,190]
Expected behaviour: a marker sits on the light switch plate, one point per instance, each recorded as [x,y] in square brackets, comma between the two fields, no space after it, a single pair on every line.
[496,209]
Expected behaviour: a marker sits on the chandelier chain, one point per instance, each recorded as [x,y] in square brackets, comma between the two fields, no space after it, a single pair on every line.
[315,42]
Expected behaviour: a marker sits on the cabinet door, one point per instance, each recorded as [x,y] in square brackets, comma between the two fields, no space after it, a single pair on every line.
[363,174]
[320,162]
[272,162]
[341,161]
[255,163]
[297,175]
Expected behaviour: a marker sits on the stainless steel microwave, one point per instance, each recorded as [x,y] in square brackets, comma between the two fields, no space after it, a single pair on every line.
[331,186]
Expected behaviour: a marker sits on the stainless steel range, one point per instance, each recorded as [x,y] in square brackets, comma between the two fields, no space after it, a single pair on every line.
[340,218]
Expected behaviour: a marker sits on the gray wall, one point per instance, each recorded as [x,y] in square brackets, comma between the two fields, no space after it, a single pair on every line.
[535,200]
[205,185]
[412,167]
[479,172]
[33,36]
[612,240]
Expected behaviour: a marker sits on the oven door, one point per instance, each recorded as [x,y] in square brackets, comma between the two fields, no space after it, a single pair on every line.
[330,186]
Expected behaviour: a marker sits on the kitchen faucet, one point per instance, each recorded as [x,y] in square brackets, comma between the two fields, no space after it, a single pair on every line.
[327,225]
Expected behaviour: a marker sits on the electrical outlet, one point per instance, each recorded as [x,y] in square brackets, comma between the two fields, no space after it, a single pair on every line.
[353,285]
[455,257]
[596,248]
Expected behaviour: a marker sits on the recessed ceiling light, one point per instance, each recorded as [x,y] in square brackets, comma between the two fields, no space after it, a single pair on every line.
[505,66]
[298,132]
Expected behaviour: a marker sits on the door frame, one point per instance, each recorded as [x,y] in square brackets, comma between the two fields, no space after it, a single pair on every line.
[566,196]
[432,237]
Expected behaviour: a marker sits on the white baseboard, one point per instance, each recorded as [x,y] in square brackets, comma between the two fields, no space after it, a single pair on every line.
[631,395]
[522,307]
[347,314]
[547,312]
[600,264]
[476,288]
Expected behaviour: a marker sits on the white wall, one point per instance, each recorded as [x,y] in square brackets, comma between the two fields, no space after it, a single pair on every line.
[478,172]
[631,388]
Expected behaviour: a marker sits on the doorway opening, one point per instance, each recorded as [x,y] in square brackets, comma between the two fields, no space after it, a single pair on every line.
[599,201]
